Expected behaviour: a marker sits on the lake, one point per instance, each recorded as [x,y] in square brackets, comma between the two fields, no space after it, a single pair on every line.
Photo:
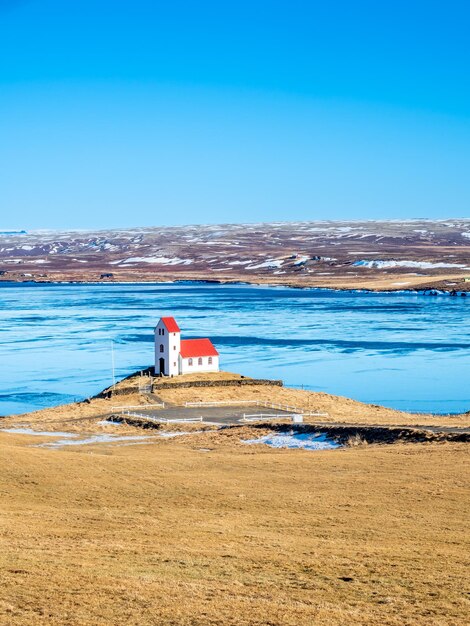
[403,350]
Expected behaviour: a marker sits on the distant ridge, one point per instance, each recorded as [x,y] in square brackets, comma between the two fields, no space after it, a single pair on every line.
[377,255]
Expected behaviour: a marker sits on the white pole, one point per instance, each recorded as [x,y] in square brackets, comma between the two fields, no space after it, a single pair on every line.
[112,364]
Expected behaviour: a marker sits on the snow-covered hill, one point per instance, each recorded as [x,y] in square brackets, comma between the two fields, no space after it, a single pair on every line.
[304,251]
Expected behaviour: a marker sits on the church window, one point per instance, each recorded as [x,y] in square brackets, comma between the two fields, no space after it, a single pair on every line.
[161,347]
[190,361]
[199,361]
[209,360]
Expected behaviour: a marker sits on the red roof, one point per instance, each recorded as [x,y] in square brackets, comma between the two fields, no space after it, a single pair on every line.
[171,325]
[197,347]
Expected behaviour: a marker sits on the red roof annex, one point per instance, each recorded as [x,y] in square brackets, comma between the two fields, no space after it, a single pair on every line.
[197,347]
[171,325]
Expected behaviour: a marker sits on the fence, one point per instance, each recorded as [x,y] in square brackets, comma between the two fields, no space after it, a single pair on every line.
[264,403]
[263,416]
[161,420]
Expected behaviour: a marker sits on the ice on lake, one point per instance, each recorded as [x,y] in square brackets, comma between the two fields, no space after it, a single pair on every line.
[403,350]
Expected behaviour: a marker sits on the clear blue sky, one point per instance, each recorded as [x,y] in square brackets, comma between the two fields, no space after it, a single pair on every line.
[138,112]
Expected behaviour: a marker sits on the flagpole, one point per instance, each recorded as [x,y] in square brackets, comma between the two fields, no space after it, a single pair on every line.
[112,364]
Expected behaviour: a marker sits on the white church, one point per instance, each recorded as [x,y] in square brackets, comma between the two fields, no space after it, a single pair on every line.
[174,356]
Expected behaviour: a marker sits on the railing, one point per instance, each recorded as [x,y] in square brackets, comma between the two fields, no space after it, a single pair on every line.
[161,420]
[281,407]
[263,416]
[178,420]
[264,403]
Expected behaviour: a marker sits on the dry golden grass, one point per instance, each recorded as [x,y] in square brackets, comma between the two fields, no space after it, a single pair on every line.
[241,535]
[205,530]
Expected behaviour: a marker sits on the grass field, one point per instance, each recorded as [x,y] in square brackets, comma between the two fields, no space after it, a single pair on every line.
[203,529]
[170,534]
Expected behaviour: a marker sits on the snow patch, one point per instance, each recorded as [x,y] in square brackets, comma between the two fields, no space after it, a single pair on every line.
[270,264]
[104,438]
[158,260]
[377,264]
[307,441]
[38,433]
[301,260]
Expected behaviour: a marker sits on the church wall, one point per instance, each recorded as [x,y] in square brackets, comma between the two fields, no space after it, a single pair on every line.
[171,343]
[186,368]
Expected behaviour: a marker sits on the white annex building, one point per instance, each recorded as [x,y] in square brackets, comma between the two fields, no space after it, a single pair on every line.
[174,355]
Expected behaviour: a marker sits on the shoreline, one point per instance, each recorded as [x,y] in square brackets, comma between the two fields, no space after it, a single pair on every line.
[434,290]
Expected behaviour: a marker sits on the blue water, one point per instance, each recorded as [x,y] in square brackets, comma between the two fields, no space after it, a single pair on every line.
[406,351]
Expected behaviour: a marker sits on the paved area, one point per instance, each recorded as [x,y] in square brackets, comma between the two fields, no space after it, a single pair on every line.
[234,415]
[214,415]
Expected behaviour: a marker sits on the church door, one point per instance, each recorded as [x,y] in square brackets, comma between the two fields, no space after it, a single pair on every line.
[162,365]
